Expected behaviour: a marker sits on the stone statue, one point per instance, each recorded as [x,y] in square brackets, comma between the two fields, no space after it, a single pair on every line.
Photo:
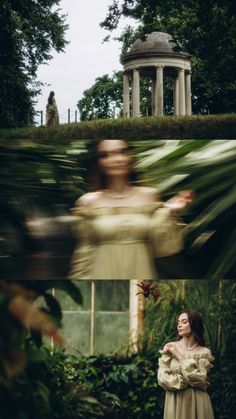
[52,116]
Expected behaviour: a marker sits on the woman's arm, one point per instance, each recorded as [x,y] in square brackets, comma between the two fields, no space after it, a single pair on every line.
[166,233]
[195,369]
[81,260]
[166,378]
[180,201]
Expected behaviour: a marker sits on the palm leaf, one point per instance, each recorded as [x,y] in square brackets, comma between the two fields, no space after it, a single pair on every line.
[208,167]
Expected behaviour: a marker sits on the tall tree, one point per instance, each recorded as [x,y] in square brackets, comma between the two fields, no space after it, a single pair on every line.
[103,99]
[206,30]
[30,29]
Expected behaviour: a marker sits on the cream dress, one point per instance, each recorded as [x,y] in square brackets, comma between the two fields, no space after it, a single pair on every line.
[52,115]
[184,399]
[122,242]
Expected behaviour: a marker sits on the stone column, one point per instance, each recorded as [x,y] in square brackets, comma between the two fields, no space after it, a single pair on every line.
[136,93]
[126,104]
[181,91]
[159,91]
[136,315]
[188,94]
[93,314]
[176,96]
[154,98]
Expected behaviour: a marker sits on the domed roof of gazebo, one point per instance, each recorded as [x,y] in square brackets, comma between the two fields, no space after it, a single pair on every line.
[156,43]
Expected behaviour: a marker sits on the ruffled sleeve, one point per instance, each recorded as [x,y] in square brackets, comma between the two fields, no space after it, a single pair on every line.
[81,260]
[166,378]
[166,234]
[195,369]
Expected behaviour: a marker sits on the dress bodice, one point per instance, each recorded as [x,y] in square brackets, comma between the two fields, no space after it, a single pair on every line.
[191,370]
[122,238]
[117,224]
[200,359]
[186,397]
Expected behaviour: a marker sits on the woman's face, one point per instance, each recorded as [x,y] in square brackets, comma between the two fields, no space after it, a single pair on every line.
[114,157]
[183,325]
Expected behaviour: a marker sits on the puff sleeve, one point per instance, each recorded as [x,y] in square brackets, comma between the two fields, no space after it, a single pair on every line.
[166,234]
[195,370]
[82,257]
[166,378]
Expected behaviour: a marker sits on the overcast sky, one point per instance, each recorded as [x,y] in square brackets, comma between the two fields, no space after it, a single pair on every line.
[85,57]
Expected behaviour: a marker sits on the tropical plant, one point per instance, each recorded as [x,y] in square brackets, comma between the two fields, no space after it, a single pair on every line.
[36,183]
[23,321]
[208,297]
[37,379]
[215,300]
[207,167]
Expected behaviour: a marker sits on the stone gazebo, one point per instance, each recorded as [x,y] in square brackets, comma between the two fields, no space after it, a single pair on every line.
[155,58]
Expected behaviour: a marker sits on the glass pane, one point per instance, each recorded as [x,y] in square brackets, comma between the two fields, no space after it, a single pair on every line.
[68,304]
[111,332]
[112,314]
[76,330]
[112,295]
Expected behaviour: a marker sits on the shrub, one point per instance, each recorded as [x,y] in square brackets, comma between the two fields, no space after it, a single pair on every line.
[185,127]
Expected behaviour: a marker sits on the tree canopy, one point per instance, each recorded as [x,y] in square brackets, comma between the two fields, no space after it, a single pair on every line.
[29,31]
[103,99]
[206,30]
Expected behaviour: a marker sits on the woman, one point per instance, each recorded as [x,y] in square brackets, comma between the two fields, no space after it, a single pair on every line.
[183,369]
[52,116]
[122,227]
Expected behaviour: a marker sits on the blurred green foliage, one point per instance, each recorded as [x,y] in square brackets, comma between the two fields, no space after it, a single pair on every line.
[208,168]
[40,183]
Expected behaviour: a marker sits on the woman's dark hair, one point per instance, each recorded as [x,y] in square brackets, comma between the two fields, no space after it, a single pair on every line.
[96,179]
[50,97]
[196,324]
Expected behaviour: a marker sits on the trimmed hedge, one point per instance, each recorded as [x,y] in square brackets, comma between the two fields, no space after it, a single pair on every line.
[166,127]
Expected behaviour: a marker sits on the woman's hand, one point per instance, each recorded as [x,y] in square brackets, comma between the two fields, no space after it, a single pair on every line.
[204,386]
[180,201]
[172,349]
